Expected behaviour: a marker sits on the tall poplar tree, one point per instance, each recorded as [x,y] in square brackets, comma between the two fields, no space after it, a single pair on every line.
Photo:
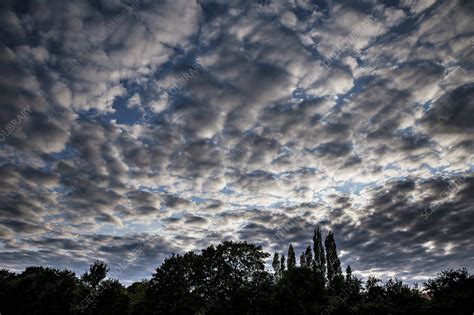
[319,263]
[282,265]
[333,262]
[308,257]
[291,258]
[276,264]
[303,260]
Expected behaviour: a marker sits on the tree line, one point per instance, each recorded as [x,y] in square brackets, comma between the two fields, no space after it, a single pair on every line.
[230,278]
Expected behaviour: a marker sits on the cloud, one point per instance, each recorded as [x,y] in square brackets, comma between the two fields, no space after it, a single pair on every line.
[204,121]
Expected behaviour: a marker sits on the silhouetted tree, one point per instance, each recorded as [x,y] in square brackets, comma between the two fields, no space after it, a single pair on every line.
[348,273]
[451,292]
[230,279]
[97,272]
[333,262]
[221,279]
[40,290]
[308,257]
[291,258]
[282,265]
[171,288]
[400,298]
[276,264]
[137,295]
[7,291]
[302,260]
[319,265]
[111,299]
[373,302]
[296,293]
[98,295]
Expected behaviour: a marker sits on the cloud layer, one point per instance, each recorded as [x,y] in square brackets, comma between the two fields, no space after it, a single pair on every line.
[197,122]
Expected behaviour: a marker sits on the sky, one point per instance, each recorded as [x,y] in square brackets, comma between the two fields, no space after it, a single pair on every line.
[130,130]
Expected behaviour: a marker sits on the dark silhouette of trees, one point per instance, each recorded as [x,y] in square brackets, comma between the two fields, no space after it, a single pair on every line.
[137,295]
[172,287]
[98,295]
[282,265]
[319,264]
[97,272]
[38,290]
[276,265]
[230,278]
[333,263]
[291,264]
[295,293]
[348,273]
[302,260]
[230,273]
[451,291]
[308,257]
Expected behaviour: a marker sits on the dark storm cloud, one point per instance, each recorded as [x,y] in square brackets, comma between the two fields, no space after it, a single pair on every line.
[241,131]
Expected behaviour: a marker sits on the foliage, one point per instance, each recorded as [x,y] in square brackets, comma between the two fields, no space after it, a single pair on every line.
[97,272]
[333,263]
[319,262]
[276,264]
[451,291]
[291,263]
[230,278]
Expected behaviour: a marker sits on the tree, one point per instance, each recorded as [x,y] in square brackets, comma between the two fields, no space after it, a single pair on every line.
[308,257]
[291,258]
[400,298]
[7,292]
[223,279]
[230,278]
[276,264]
[170,290]
[296,293]
[302,260]
[348,273]
[451,292]
[97,272]
[98,295]
[112,298]
[137,294]
[333,262]
[319,265]
[282,265]
[41,290]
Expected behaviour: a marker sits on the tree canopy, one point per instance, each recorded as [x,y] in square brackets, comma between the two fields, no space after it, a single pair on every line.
[230,278]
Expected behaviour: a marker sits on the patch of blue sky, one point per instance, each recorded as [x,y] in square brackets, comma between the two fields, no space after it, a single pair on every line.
[198,200]
[350,186]
[125,114]
[227,191]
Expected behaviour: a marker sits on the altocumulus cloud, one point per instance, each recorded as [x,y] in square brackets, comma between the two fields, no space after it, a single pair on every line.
[263,134]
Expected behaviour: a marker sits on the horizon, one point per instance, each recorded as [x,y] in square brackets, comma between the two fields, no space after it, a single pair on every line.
[204,121]
[113,273]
